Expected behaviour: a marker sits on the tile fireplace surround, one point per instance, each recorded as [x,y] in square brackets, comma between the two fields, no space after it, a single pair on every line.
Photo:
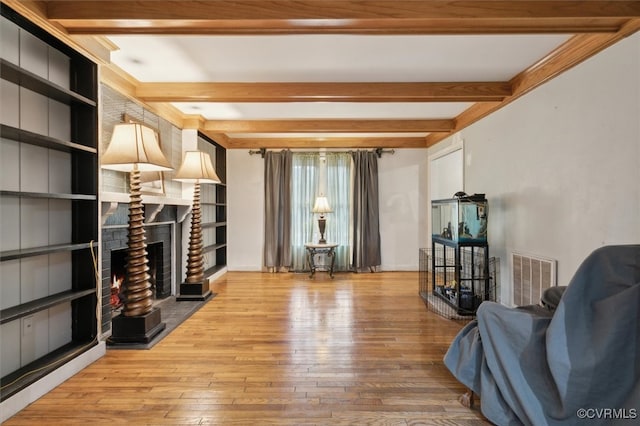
[163,229]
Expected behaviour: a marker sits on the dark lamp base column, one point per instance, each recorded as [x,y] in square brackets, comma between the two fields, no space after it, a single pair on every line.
[322,223]
[194,291]
[137,329]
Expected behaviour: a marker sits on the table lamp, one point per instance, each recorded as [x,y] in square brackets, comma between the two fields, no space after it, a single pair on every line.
[321,206]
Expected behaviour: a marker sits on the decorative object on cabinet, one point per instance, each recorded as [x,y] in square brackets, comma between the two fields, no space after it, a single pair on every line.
[322,207]
[196,168]
[49,206]
[134,148]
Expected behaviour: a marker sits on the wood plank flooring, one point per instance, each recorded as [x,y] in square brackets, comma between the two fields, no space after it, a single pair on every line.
[279,349]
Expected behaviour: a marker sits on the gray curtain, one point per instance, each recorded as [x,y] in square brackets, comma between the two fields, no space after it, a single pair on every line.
[277,209]
[366,225]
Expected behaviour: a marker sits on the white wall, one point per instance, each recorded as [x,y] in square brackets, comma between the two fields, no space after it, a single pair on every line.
[402,180]
[245,210]
[561,165]
[403,203]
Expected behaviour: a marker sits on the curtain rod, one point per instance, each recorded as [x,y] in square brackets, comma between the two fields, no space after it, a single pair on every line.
[378,151]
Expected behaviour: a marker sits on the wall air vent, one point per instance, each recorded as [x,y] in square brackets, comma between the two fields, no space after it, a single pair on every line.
[531,276]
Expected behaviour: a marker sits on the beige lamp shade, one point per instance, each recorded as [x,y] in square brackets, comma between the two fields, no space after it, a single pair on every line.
[134,145]
[321,205]
[196,167]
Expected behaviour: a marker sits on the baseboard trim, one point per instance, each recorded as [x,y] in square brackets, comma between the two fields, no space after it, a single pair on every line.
[12,405]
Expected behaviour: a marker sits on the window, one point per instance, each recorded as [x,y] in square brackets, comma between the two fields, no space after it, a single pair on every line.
[314,174]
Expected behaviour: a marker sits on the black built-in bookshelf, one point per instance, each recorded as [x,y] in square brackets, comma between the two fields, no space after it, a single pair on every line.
[48,312]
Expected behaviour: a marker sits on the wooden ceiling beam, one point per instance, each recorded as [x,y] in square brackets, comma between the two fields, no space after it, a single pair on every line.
[338,9]
[322,126]
[323,92]
[340,16]
[361,27]
[313,143]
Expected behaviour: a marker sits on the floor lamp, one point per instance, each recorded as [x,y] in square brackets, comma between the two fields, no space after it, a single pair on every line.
[196,168]
[134,148]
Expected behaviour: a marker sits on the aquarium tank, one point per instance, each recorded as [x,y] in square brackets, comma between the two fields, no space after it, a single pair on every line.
[461,219]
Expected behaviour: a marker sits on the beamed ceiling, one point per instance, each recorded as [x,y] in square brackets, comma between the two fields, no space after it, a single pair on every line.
[332,73]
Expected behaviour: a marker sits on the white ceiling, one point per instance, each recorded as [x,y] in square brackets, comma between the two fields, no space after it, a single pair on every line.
[328,58]
[332,58]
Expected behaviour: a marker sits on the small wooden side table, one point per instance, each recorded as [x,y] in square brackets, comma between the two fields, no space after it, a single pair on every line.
[317,248]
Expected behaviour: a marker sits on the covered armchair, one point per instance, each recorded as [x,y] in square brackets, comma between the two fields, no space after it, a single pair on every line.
[581,361]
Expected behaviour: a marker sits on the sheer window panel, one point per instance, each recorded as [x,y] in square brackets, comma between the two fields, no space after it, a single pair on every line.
[338,194]
[304,184]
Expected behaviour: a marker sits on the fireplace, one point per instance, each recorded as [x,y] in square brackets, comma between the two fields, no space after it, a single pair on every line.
[160,241]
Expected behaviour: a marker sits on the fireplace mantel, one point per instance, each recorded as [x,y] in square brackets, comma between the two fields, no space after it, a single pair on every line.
[154,203]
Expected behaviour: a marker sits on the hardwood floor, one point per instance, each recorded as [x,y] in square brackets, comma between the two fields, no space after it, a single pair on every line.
[279,349]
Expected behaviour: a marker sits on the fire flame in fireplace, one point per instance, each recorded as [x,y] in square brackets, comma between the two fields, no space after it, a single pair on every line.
[116,285]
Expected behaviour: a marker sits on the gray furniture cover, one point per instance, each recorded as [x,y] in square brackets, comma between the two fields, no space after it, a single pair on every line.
[577,365]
